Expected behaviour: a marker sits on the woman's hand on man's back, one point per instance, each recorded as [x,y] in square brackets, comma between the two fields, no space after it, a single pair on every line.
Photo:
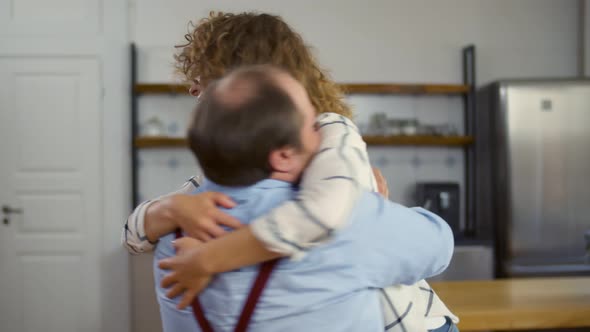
[199,216]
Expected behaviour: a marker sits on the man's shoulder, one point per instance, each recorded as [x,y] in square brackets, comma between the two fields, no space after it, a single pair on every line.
[371,213]
[368,204]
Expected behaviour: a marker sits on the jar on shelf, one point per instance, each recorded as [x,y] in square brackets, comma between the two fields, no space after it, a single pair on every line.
[409,127]
[378,124]
[153,127]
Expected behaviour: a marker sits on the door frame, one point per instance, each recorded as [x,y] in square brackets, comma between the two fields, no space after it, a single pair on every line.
[115,301]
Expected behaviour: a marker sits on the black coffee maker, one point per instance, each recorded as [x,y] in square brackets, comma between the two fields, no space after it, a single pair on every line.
[443,199]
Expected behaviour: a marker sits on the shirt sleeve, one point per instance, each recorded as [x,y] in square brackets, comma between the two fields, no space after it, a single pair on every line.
[329,188]
[133,235]
[397,244]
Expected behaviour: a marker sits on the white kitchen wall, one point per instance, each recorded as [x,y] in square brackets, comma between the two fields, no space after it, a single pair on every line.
[372,41]
[585,14]
[390,41]
[381,41]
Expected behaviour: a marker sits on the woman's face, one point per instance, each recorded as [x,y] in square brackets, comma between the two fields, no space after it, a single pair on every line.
[195,88]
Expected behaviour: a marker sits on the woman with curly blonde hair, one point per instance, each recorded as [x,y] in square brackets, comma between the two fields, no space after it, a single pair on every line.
[222,42]
[217,45]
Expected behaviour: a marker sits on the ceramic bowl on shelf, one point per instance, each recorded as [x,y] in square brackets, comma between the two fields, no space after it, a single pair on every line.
[153,127]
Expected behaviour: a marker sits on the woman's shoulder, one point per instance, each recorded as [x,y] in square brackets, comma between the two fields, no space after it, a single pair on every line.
[333,117]
[334,127]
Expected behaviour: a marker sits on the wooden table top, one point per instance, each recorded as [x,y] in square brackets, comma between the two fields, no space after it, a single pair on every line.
[518,304]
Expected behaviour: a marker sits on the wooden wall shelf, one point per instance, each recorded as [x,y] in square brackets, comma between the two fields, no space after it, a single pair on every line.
[465,91]
[159,142]
[157,88]
[174,142]
[408,89]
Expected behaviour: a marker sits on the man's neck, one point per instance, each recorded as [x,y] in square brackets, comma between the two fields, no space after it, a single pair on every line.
[287,177]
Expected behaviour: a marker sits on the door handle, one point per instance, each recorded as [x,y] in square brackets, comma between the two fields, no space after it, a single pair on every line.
[7,210]
[10,210]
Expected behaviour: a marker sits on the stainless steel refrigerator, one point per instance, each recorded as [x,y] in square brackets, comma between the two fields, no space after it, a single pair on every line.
[533,175]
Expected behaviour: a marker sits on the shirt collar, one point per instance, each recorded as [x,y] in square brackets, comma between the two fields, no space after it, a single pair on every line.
[209,185]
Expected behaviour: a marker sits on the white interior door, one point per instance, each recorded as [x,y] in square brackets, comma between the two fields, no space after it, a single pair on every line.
[50,188]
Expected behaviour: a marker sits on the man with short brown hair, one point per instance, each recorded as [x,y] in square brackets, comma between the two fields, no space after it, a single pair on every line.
[335,287]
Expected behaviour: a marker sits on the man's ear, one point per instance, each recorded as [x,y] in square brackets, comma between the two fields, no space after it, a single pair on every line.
[283,159]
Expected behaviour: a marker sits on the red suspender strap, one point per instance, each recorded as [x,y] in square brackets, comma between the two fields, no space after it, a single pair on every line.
[197,309]
[200,316]
[246,315]
[255,292]
[179,233]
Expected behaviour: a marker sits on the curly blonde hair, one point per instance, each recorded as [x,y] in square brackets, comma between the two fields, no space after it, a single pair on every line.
[224,41]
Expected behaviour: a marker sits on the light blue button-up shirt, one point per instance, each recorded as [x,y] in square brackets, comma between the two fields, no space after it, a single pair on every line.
[334,287]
